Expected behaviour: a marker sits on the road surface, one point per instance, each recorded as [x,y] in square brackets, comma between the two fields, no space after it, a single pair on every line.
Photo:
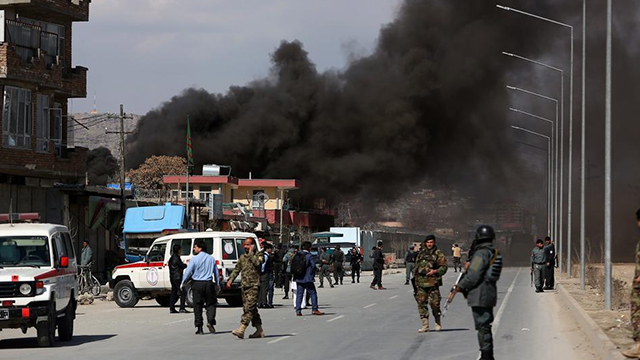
[360,323]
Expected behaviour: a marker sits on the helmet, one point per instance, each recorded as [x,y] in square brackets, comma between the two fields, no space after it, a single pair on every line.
[485,232]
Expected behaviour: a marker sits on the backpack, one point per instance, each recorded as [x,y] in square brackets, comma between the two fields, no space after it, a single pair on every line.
[299,265]
[495,267]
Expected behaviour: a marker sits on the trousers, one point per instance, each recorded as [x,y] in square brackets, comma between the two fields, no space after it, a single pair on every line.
[538,275]
[250,313]
[338,273]
[175,293]
[355,272]
[549,280]
[457,265]
[204,296]
[428,296]
[482,318]
[635,312]
[265,280]
[377,277]
[311,290]
[409,270]
[324,273]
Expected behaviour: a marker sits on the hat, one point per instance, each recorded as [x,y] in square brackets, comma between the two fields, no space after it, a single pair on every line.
[429,237]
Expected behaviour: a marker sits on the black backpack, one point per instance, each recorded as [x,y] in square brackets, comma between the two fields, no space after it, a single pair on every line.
[299,265]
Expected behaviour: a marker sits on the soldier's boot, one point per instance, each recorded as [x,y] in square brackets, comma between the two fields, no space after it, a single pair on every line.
[425,326]
[438,324]
[632,352]
[239,332]
[258,334]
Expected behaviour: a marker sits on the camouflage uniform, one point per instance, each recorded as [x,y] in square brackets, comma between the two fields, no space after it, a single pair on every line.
[249,266]
[428,287]
[635,299]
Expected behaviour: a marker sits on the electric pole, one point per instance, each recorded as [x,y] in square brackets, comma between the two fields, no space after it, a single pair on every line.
[122,116]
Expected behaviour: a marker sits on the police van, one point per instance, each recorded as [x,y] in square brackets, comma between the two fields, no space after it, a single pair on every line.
[150,277]
[38,286]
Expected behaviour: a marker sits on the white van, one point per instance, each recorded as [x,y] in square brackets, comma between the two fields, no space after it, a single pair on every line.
[150,277]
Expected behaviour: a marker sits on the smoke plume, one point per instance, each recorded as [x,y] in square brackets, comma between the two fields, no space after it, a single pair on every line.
[101,166]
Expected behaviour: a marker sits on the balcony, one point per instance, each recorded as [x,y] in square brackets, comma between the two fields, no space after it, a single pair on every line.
[74,10]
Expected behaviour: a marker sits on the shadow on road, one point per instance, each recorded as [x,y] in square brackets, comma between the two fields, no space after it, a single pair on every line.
[31,342]
[451,330]
[278,336]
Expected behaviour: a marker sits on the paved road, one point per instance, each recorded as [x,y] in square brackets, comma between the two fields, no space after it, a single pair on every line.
[360,324]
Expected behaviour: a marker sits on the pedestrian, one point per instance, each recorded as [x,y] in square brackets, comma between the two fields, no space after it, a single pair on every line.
[176,268]
[634,302]
[278,276]
[409,264]
[249,265]
[306,282]
[356,265]
[266,277]
[378,266]
[325,264]
[86,255]
[457,252]
[202,270]
[338,265]
[538,263]
[479,286]
[286,264]
[431,265]
[550,255]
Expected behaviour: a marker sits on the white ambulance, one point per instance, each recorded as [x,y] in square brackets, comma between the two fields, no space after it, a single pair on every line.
[150,277]
[38,285]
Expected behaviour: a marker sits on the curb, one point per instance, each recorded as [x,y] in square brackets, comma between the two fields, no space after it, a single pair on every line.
[601,343]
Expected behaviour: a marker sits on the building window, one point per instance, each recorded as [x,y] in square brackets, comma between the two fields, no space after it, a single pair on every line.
[183,193]
[16,118]
[205,193]
[56,117]
[43,128]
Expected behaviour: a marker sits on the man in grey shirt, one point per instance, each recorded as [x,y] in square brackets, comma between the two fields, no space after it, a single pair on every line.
[86,255]
[538,262]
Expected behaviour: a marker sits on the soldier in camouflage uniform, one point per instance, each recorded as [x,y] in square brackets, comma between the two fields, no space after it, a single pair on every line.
[249,264]
[634,351]
[431,265]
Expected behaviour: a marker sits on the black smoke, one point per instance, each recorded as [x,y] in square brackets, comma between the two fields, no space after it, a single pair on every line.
[428,103]
[101,166]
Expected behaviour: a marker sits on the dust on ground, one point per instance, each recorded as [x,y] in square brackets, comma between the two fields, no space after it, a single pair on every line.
[616,324]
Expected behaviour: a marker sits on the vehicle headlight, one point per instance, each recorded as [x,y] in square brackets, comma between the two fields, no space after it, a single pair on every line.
[25,289]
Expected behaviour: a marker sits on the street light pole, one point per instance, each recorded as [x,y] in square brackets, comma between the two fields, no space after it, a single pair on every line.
[556,233]
[583,152]
[548,144]
[555,148]
[569,201]
[607,168]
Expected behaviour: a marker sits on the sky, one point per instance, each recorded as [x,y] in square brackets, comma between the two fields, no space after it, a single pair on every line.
[140,53]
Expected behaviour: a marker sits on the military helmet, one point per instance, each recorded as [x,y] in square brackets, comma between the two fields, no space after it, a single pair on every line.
[485,233]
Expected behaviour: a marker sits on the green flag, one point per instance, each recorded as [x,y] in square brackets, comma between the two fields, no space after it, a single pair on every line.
[190,164]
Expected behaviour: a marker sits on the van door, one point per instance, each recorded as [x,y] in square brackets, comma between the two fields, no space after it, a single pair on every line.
[230,255]
[63,280]
[156,274]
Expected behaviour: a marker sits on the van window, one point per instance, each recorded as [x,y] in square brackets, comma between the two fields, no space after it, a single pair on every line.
[229,249]
[185,245]
[157,252]
[67,242]
[59,247]
[209,243]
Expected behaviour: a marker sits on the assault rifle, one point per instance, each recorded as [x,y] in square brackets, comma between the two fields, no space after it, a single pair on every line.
[452,293]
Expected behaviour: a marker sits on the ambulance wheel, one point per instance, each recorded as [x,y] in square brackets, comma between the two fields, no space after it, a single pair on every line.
[189,296]
[46,330]
[125,294]
[65,327]
[235,301]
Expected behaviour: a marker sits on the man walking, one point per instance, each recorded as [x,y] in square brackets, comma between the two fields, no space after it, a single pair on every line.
[538,262]
[431,265]
[550,255]
[338,265]
[202,270]
[356,264]
[249,264]
[325,260]
[479,286]
[410,264]
[457,252]
[306,282]
[176,268]
[378,266]
[634,351]
[286,264]
[266,276]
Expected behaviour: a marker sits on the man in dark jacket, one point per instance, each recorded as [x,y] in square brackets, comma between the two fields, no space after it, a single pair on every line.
[338,265]
[481,291]
[378,266]
[307,282]
[356,263]
[266,276]
[176,267]
[550,255]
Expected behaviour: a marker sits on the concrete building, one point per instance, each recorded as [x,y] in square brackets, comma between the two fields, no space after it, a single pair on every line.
[37,79]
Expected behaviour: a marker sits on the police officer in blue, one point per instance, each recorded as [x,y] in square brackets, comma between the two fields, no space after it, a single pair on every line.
[202,270]
[479,286]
